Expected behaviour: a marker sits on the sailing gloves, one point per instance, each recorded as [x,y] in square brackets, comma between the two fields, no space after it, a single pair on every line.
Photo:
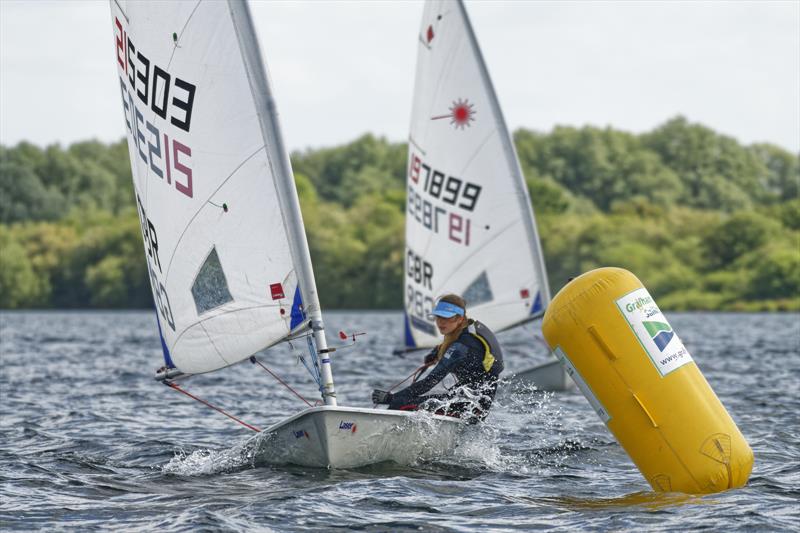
[381,396]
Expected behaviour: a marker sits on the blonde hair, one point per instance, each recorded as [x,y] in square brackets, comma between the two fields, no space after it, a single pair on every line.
[451,337]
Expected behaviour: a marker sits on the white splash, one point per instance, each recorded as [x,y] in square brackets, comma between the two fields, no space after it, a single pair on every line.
[206,462]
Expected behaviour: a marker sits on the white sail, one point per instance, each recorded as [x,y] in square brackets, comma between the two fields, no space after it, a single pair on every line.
[223,235]
[469,222]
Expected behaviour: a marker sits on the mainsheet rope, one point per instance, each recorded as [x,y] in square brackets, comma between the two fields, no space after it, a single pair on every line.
[415,374]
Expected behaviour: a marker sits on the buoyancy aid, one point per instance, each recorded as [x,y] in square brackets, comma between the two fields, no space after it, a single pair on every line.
[493,355]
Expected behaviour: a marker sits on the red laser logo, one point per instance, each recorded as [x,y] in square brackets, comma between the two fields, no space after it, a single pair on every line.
[462,114]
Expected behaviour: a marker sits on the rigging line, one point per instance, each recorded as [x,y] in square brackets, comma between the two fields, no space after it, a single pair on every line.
[415,374]
[417,371]
[189,223]
[314,355]
[214,407]
[271,373]
[315,359]
[313,372]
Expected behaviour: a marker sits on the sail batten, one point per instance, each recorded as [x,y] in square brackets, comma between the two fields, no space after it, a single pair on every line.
[470,227]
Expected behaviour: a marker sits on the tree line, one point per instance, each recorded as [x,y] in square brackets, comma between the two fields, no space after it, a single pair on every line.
[705,222]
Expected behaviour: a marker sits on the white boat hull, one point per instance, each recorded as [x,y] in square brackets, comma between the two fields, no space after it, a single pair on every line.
[548,376]
[349,437]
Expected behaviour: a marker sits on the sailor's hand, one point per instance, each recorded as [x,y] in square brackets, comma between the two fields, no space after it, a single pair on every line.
[430,358]
[381,396]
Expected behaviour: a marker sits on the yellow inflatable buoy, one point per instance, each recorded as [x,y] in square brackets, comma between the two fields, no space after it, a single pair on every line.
[618,347]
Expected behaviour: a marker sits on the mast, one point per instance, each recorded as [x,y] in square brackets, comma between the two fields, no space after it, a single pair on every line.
[261,90]
[513,160]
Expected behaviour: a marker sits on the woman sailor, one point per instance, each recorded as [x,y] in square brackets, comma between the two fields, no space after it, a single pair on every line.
[470,352]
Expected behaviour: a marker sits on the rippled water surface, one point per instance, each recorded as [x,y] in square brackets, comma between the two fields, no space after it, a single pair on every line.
[89,440]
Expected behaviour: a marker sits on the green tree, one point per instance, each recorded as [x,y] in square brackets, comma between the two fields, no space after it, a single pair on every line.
[716,171]
[336,172]
[605,166]
[776,274]
[24,197]
[782,183]
[20,286]
[105,281]
[741,233]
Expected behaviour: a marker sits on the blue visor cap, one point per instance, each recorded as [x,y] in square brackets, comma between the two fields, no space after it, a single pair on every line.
[446,310]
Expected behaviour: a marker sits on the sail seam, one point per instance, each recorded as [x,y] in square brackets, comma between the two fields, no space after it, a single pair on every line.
[147,167]
[222,313]
[127,20]
[211,341]
[478,150]
[183,29]
[215,191]
[172,56]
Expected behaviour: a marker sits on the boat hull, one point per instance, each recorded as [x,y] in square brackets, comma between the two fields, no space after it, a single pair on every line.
[349,437]
[549,376]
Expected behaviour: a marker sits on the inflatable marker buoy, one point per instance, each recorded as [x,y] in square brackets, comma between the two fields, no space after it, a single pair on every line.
[615,343]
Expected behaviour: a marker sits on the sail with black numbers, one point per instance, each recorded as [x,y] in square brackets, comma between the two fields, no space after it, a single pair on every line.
[470,227]
[226,248]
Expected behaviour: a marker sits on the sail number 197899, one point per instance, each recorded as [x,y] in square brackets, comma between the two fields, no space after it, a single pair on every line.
[433,206]
[449,189]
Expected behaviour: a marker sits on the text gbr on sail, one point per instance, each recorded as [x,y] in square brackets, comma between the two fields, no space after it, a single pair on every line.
[419,286]
[150,238]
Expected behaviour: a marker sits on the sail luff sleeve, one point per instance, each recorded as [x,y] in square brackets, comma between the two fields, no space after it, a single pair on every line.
[284,182]
[513,161]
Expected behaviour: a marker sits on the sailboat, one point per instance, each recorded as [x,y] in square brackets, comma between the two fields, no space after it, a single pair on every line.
[470,227]
[224,239]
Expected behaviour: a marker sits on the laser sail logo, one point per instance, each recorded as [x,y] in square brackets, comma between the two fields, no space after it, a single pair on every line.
[662,345]
[660,332]
[461,115]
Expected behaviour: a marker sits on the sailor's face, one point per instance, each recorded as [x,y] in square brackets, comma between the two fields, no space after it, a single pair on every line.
[448,325]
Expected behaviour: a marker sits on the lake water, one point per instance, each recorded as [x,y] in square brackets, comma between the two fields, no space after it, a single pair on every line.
[89,440]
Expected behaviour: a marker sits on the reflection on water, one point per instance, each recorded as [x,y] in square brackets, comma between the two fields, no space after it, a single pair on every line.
[651,501]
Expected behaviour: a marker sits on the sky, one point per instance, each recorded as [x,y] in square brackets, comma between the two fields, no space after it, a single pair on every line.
[342,69]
